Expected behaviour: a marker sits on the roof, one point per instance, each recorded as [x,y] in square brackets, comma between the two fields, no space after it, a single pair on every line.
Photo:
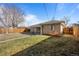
[76,24]
[37,25]
[48,22]
[53,22]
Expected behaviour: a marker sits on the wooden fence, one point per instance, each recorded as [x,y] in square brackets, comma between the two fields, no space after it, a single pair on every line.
[76,30]
[13,30]
[68,30]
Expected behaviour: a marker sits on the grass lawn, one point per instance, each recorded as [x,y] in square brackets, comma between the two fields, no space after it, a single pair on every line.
[40,45]
[4,37]
[14,46]
[53,46]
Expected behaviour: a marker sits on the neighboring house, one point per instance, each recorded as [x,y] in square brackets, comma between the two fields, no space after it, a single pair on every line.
[48,27]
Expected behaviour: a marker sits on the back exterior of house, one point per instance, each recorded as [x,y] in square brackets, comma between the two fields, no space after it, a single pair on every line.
[53,26]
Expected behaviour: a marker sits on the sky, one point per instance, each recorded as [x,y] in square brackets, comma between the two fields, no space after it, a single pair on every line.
[41,12]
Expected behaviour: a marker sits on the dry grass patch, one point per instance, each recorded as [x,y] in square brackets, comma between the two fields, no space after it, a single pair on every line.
[14,46]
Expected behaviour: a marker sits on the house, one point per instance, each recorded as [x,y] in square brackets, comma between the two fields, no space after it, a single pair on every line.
[53,26]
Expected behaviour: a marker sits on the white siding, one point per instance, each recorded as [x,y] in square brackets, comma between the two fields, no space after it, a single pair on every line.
[61,29]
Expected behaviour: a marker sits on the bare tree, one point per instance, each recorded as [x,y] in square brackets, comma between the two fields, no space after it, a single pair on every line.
[12,16]
[66,19]
[78,22]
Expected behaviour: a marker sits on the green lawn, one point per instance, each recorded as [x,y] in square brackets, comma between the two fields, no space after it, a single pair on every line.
[14,46]
[40,45]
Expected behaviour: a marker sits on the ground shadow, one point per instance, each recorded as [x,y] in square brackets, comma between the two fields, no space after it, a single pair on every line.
[53,46]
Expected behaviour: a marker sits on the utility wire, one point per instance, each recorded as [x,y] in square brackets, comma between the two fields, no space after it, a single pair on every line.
[53,18]
[45,8]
